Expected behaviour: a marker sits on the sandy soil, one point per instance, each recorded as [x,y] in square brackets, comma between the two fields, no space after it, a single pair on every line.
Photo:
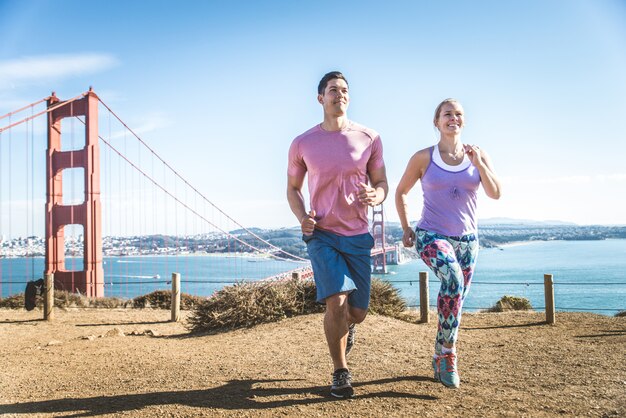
[511,364]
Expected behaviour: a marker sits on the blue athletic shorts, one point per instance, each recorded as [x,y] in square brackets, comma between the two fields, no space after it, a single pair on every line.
[341,264]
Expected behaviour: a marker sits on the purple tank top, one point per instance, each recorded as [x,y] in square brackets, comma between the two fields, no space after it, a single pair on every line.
[449,196]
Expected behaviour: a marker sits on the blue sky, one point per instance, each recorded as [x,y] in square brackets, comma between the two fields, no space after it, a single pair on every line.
[221,88]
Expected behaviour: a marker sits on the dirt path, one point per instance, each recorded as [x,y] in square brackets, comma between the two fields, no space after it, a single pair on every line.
[511,364]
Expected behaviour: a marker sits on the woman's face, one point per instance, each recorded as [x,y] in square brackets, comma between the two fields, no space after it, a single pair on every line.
[451,118]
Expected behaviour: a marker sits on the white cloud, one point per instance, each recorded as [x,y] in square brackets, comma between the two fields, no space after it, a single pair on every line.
[35,68]
[149,123]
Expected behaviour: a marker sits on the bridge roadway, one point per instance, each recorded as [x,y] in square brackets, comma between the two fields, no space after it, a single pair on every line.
[379,250]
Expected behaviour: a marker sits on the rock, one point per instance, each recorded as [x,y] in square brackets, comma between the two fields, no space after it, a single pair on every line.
[88,337]
[115,332]
[152,333]
[54,342]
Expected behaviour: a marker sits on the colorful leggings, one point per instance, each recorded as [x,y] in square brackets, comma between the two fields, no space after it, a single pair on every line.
[452,259]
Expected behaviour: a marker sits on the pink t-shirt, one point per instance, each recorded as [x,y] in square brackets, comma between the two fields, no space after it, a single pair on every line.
[336,162]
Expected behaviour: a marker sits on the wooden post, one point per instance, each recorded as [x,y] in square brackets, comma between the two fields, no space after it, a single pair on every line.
[48,300]
[175,297]
[548,284]
[424,297]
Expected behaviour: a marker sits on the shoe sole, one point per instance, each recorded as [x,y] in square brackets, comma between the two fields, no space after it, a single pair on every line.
[342,396]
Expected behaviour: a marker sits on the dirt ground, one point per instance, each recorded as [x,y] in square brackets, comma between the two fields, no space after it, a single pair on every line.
[511,364]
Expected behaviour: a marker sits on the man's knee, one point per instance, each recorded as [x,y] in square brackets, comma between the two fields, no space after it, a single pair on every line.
[337,304]
[357,315]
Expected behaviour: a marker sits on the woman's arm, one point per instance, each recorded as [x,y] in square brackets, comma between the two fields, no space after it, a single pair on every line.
[488,178]
[414,171]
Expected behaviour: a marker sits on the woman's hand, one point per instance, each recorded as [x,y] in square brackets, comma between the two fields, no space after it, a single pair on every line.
[408,237]
[474,153]
[488,177]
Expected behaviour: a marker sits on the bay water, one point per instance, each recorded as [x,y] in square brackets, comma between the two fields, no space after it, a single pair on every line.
[588,275]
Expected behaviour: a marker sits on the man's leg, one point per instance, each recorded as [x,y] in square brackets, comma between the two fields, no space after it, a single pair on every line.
[336,330]
[355,316]
[336,323]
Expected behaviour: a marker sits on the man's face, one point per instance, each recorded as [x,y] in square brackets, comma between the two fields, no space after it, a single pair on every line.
[335,98]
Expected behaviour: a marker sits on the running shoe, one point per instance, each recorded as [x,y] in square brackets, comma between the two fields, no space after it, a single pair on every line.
[436,369]
[350,342]
[446,366]
[342,384]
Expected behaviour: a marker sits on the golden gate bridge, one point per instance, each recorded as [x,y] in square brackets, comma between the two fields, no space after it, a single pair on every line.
[138,195]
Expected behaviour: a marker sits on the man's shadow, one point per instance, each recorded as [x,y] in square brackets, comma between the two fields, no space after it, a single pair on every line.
[234,395]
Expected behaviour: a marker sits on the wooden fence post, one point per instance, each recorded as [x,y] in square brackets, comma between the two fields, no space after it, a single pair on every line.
[548,284]
[48,300]
[175,297]
[424,297]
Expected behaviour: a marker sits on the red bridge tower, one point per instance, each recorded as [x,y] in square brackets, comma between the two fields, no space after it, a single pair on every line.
[90,281]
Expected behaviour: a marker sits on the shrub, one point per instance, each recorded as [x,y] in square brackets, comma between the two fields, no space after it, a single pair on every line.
[162,299]
[247,304]
[511,303]
[65,299]
[385,299]
[621,313]
[13,301]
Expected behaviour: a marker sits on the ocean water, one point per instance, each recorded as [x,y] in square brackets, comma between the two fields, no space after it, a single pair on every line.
[588,275]
[129,277]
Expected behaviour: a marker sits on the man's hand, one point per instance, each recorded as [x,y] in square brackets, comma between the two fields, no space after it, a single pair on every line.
[367,195]
[307,223]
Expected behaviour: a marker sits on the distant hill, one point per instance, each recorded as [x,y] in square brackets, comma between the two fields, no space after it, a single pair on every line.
[525,222]
[492,232]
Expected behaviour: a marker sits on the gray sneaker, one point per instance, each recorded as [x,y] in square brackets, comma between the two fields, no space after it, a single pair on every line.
[342,384]
[350,342]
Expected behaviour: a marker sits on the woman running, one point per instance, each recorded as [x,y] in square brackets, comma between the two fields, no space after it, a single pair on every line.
[446,235]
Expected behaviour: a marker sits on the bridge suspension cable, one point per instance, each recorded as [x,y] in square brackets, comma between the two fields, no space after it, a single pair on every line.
[198,193]
[48,110]
[138,198]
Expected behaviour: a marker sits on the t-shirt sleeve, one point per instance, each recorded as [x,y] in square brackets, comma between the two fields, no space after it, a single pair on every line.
[296,165]
[376,158]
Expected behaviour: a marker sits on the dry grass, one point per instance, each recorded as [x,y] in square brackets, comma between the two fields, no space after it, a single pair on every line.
[246,305]
[64,299]
[160,299]
[13,301]
[163,299]
[386,300]
[511,303]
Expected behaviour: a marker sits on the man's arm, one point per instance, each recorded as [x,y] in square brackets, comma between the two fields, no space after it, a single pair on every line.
[296,203]
[376,194]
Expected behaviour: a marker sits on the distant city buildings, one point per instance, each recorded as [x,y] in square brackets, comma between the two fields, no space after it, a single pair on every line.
[287,239]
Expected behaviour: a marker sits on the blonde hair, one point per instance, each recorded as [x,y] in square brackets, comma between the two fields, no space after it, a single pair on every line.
[438,109]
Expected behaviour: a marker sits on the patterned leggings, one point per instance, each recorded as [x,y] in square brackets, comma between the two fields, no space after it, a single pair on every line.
[452,259]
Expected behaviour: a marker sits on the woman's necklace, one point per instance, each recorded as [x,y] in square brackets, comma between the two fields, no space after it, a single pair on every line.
[455,155]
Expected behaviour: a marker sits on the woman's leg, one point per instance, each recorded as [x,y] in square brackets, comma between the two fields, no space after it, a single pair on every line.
[440,255]
[466,250]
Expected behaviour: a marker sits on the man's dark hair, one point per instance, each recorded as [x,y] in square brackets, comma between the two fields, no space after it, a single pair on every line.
[329,76]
